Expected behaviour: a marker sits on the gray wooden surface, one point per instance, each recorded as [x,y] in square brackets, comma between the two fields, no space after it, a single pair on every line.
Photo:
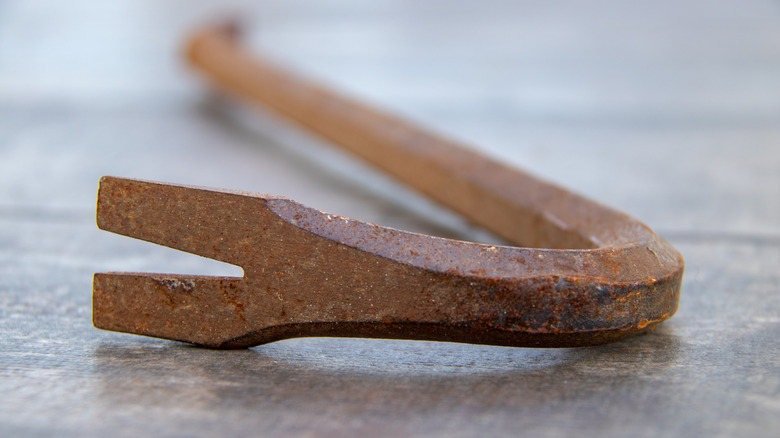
[667,110]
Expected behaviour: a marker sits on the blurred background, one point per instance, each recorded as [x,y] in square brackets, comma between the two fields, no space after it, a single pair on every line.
[667,110]
[613,99]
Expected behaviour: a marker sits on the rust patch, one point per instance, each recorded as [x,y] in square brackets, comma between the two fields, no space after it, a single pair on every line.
[577,273]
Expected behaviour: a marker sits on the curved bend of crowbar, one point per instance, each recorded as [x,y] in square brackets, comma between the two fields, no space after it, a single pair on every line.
[586,275]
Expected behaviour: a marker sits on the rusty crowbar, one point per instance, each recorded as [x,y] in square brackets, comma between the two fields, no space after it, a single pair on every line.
[582,273]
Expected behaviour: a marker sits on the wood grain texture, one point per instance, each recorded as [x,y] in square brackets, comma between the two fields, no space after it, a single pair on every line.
[571,91]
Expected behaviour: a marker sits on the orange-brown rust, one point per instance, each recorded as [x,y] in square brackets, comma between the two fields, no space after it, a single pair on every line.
[582,273]
[306,279]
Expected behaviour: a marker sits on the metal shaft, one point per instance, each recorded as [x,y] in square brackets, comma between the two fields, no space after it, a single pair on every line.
[585,274]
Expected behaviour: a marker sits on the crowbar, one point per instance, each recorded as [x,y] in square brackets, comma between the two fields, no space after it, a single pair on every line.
[581,273]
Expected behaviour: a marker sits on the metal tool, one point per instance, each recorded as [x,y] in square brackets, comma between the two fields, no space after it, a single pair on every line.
[585,274]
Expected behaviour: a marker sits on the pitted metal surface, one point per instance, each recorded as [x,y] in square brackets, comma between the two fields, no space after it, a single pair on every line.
[581,273]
